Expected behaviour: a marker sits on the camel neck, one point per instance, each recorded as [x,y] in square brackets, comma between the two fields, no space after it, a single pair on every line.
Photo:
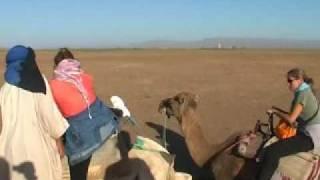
[197,144]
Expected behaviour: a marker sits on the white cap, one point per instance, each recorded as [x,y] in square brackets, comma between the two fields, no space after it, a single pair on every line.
[118,103]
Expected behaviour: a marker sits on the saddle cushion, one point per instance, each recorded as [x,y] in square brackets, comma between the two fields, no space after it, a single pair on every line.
[300,166]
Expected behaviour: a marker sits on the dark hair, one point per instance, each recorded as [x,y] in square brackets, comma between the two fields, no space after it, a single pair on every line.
[63,53]
[298,73]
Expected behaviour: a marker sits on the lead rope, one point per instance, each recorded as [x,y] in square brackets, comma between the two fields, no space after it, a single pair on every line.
[165,144]
[164,130]
[140,128]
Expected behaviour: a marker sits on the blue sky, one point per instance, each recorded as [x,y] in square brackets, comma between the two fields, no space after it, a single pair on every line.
[99,23]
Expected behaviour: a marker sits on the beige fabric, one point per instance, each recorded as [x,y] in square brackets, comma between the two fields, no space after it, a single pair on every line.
[182,176]
[157,162]
[300,166]
[154,159]
[31,123]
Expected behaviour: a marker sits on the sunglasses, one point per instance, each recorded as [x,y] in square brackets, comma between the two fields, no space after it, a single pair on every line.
[290,80]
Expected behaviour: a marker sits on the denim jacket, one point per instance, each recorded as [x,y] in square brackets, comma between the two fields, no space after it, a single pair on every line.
[85,135]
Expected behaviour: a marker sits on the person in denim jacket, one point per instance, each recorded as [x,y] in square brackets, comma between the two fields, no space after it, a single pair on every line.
[91,121]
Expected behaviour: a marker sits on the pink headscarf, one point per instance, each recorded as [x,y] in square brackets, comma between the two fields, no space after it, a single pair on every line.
[69,70]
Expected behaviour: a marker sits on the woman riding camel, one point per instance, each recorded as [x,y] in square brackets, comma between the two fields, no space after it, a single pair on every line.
[91,122]
[303,112]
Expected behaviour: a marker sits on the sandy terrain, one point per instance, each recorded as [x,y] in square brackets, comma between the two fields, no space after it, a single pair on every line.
[235,86]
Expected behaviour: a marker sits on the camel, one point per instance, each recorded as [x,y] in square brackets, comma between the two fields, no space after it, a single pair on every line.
[233,158]
[142,161]
[183,108]
[118,160]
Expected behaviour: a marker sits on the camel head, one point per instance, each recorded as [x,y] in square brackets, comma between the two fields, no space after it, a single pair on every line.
[179,104]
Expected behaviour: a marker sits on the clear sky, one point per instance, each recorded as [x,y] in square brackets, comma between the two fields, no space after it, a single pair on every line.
[98,23]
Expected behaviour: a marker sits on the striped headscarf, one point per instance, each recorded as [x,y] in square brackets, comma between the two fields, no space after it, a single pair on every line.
[69,70]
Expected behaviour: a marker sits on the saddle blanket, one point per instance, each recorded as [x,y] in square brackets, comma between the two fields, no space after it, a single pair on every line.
[300,166]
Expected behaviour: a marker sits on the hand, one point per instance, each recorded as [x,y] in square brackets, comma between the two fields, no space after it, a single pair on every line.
[60,148]
[117,112]
[294,124]
[61,151]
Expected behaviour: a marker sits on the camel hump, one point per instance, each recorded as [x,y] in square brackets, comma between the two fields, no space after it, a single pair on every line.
[182,176]
[106,155]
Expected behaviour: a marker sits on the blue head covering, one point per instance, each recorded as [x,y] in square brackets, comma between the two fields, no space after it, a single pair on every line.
[22,70]
[16,56]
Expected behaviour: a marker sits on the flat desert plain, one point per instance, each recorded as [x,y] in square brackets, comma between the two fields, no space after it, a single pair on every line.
[235,87]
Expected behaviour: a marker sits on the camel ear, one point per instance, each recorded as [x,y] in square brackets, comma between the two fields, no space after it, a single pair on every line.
[196,98]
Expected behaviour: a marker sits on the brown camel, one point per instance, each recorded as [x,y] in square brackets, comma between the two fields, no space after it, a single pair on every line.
[233,158]
[214,156]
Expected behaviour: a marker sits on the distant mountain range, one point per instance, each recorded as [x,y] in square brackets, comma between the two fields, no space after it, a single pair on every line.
[230,43]
[210,43]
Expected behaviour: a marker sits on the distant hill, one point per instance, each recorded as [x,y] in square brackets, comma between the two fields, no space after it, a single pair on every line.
[204,43]
[230,43]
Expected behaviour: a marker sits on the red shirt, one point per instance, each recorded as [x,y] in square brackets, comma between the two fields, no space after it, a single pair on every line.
[68,98]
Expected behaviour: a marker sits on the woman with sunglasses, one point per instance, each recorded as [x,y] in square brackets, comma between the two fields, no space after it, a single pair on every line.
[303,112]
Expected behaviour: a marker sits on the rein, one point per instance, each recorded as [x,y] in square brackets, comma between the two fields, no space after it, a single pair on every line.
[235,143]
[164,130]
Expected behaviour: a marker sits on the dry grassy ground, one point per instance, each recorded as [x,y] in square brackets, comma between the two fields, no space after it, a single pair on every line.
[235,86]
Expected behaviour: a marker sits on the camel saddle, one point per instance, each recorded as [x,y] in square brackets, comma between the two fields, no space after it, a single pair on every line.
[300,166]
[157,158]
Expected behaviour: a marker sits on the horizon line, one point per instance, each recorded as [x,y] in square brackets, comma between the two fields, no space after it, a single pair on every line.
[138,44]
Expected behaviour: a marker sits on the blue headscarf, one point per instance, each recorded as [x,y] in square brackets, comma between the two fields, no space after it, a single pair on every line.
[22,70]
[15,58]
[303,87]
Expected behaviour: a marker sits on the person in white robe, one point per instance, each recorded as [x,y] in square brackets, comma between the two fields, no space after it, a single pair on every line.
[31,126]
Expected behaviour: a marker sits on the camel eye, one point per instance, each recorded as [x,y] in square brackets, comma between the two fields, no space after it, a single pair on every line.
[166,104]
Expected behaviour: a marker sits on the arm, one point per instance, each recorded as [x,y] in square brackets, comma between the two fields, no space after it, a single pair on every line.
[290,117]
[279,109]
[55,123]
[60,147]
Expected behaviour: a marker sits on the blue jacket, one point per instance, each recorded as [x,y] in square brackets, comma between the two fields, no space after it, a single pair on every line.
[85,135]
